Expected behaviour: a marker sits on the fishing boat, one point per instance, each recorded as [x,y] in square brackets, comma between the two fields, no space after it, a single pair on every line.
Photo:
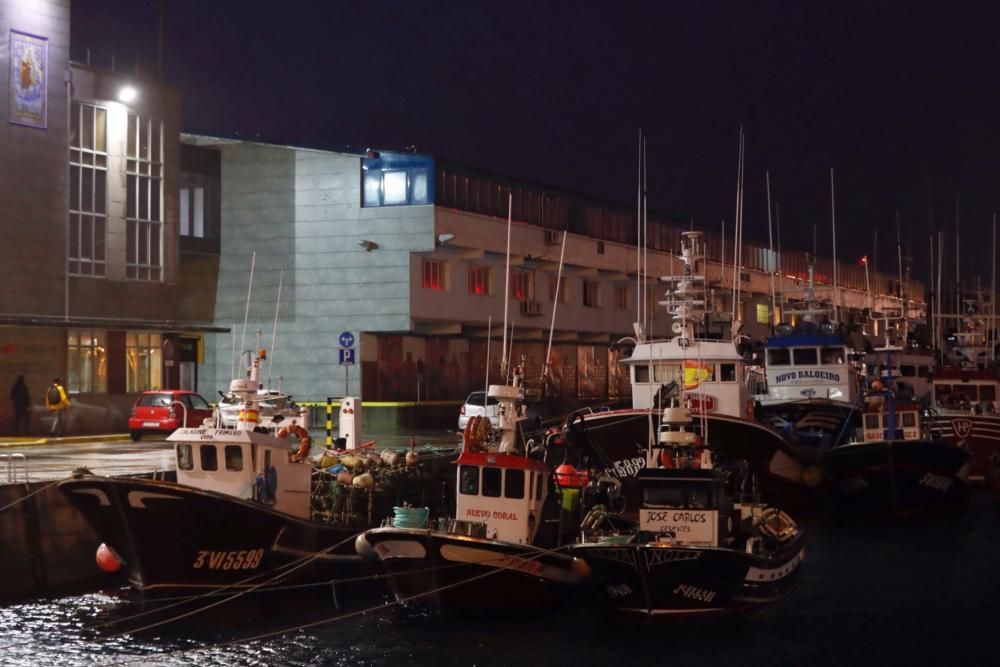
[248,512]
[717,379]
[964,405]
[694,550]
[501,551]
[896,467]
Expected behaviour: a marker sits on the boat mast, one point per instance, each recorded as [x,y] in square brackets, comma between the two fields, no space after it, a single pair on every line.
[555,306]
[833,221]
[991,338]
[770,243]
[638,247]
[506,287]
[246,312]
[274,330]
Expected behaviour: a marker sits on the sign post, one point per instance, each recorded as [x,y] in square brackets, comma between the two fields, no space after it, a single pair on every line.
[346,356]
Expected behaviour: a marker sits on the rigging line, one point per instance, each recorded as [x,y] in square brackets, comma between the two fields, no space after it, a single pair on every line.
[341,617]
[555,306]
[35,492]
[246,312]
[274,331]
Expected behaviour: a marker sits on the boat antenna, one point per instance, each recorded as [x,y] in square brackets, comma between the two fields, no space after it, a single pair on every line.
[639,240]
[770,243]
[899,259]
[510,358]
[233,354]
[737,227]
[645,237]
[555,306]
[274,331]
[506,286]
[833,225]
[489,334]
[993,296]
[781,274]
[246,313]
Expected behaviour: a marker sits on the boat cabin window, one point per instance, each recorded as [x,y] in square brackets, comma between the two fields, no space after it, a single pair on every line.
[513,484]
[468,480]
[779,357]
[909,420]
[539,480]
[942,392]
[695,496]
[491,482]
[727,372]
[923,371]
[209,457]
[185,460]
[907,370]
[641,372]
[987,392]
[666,372]
[234,458]
[872,422]
[805,356]
[831,355]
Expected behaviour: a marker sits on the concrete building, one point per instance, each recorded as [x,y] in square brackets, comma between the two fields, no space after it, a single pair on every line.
[95,286]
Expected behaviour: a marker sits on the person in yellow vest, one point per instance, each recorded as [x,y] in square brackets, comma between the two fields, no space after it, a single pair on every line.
[58,404]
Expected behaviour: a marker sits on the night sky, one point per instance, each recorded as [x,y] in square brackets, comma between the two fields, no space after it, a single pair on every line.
[901,99]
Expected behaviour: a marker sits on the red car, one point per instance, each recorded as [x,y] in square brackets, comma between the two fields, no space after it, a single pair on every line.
[161,411]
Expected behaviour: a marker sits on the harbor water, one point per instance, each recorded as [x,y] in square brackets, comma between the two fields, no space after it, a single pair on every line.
[911,592]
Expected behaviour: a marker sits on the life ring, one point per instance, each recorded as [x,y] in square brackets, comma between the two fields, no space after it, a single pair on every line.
[666,459]
[476,431]
[305,440]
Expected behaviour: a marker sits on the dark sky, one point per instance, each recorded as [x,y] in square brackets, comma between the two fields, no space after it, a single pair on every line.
[902,99]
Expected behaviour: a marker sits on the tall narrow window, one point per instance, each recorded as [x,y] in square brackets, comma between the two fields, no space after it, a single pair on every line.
[86,361]
[143,362]
[621,297]
[562,289]
[520,285]
[590,293]
[88,198]
[479,280]
[433,274]
[143,205]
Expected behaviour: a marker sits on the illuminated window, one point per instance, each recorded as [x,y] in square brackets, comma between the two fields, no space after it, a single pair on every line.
[88,189]
[143,362]
[394,179]
[520,285]
[621,297]
[479,280]
[433,274]
[562,289]
[143,199]
[763,314]
[590,294]
[86,361]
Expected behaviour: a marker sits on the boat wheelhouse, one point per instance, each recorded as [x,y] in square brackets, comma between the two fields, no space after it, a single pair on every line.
[803,366]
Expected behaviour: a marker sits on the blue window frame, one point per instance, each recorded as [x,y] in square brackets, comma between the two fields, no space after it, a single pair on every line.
[396,179]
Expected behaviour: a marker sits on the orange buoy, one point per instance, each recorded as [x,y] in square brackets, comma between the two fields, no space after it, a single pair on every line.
[568,476]
[107,559]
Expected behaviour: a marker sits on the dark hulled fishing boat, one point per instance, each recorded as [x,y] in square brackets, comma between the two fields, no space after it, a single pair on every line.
[694,550]
[896,468]
[502,549]
[244,512]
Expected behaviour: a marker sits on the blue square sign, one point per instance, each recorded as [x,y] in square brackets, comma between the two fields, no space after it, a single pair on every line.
[347,356]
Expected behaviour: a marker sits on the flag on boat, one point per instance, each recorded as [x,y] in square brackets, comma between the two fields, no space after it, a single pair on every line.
[695,373]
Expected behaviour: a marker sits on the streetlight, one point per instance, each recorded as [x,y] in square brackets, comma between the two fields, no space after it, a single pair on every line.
[127,94]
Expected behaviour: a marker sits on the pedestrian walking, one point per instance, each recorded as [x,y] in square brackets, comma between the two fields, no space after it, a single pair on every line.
[22,405]
[58,404]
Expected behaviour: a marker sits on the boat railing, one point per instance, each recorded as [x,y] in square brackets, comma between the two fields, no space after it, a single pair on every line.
[13,461]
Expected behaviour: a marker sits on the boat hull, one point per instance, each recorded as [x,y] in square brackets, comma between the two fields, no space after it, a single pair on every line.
[172,537]
[450,572]
[980,434]
[654,579]
[898,477]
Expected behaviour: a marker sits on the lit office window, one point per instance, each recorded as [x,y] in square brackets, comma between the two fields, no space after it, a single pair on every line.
[763,314]
[396,179]
[433,274]
[86,361]
[143,362]
[520,285]
[479,280]
[143,199]
[88,190]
